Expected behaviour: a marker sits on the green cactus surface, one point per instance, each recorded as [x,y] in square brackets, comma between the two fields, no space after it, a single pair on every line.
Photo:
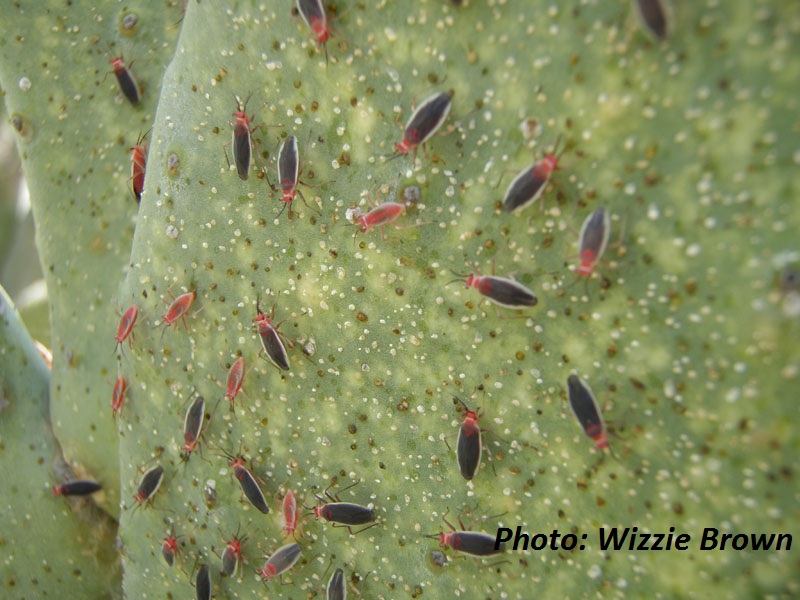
[686,329]
[49,543]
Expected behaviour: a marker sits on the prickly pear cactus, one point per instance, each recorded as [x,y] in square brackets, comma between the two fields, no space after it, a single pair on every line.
[681,331]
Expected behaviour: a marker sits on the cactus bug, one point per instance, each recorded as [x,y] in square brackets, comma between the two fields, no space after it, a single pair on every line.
[592,241]
[313,13]
[178,309]
[469,444]
[289,513]
[282,560]
[289,173]
[584,405]
[235,380]
[193,425]
[337,586]
[271,340]
[242,142]
[78,487]
[424,122]
[118,395]
[149,484]
[344,514]
[126,324]
[232,554]
[249,484]
[169,548]
[469,542]
[530,183]
[127,84]
[138,162]
[379,216]
[503,291]
[202,583]
[654,16]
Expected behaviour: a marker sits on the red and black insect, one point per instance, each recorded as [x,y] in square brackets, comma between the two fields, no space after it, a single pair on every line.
[655,17]
[289,513]
[242,142]
[271,339]
[235,380]
[289,173]
[528,185]
[345,514]
[118,395]
[249,484]
[149,484]
[586,410]
[77,487]
[126,324]
[282,560]
[193,425]
[469,445]
[169,548]
[178,309]
[128,85]
[593,241]
[232,554]
[313,13]
[469,542]
[138,162]
[337,586]
[424,122]
[503,291]
[202,583]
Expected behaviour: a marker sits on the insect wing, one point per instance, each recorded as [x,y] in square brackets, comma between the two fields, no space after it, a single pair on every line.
[193,422]
[594,234]
[312,13]
[282,560]
[79,487]
[585,407]
[337,588]
[288,164]
[126,81]
[273,346]
[168,548]
[468,449]
[346,513]
[150,483]
[475,543]
[655,17]
[230,561]
[241,148]
[428,117]
[524,190]
[202,583]
[507,292]
[251,489]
